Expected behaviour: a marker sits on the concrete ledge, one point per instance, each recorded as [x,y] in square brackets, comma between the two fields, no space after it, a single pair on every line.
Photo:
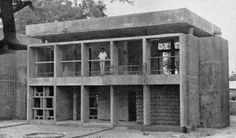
[163,79]
[161,128]
[12,123]
[69,81]
[41,81]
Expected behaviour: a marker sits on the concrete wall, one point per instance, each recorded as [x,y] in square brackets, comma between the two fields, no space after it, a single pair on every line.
[13,82]
[104,104]
[21,84]
[64,103]
[165,105]
[214,84]
[192,69]
[233,107]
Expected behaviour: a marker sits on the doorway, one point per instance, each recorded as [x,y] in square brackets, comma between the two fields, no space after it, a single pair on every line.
[132,105]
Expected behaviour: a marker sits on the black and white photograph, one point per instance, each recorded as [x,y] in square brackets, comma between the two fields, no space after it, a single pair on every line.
[117,69]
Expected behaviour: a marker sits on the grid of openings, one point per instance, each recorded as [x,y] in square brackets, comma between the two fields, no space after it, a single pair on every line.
[71,60]
[44,63]
[165,105]
[43,98]
[165,56]
[139,107]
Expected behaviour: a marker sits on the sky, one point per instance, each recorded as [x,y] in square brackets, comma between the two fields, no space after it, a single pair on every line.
[220,12]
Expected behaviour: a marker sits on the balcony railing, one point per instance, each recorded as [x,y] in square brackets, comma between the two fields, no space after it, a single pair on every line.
[44,69]
[130,69]
[164,65]
[95,69]
[71,68]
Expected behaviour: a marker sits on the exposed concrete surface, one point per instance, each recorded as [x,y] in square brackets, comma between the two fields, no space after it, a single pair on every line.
[233,107]
[11,123]
[118,132]
[179,20]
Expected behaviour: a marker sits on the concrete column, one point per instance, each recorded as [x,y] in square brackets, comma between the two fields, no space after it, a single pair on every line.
[114,110]
[84,60]
[190,31]
[114,57]
[58,58]
[84,104]
[183,82]
[75,105]
[29,103]
[146,105]
[55,102]
[146,56]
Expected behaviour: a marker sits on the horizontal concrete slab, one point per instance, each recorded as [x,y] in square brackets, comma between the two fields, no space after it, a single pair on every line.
[161,22]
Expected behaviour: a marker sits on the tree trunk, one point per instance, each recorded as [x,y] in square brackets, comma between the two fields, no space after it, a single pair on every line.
[9,30]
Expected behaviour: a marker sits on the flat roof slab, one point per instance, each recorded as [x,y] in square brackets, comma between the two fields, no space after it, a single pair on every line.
[160,22]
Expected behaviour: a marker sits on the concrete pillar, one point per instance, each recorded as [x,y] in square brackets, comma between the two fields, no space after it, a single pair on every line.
[58,58]
[114,57]
[190,31]
[29,102]
[146,105]
[84,60]
[114,110]
[183,82]
[84,104]
[146,56]
[55,102]
[75,105]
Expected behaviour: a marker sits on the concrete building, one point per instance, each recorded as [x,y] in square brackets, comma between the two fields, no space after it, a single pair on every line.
[165,68]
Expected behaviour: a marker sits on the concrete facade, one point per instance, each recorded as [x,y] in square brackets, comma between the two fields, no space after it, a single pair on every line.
[162,70]
[13,80]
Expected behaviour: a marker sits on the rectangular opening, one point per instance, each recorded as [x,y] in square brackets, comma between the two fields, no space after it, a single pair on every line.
[129,56]
[68,102]
[70,60]
[99,104]
[44,61]
[99,58]
[164,55]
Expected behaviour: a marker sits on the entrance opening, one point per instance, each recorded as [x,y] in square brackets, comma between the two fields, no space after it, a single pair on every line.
[93,105]
[132,105]
[99,104]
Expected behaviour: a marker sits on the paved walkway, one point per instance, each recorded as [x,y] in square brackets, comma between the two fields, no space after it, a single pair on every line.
[119,132]
[10,123]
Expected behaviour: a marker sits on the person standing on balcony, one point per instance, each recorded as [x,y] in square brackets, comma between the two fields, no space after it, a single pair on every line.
[102,57]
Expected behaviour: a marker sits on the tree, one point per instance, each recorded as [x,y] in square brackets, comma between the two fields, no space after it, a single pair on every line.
[58,10]
[69,9]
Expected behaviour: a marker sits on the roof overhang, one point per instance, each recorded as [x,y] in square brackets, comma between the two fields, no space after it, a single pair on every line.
[161,22]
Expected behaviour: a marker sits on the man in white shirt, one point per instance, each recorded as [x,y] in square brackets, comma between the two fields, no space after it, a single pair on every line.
[102,57]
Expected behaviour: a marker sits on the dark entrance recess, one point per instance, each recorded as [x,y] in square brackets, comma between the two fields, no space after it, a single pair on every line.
[132,105]
[93,104]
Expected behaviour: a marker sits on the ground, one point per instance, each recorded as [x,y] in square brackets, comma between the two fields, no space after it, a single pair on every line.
[18,129]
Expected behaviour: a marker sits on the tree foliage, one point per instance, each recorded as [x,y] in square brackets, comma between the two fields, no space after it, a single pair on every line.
[58,10]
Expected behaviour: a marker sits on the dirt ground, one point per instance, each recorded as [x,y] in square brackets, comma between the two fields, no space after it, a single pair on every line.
[19,131]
